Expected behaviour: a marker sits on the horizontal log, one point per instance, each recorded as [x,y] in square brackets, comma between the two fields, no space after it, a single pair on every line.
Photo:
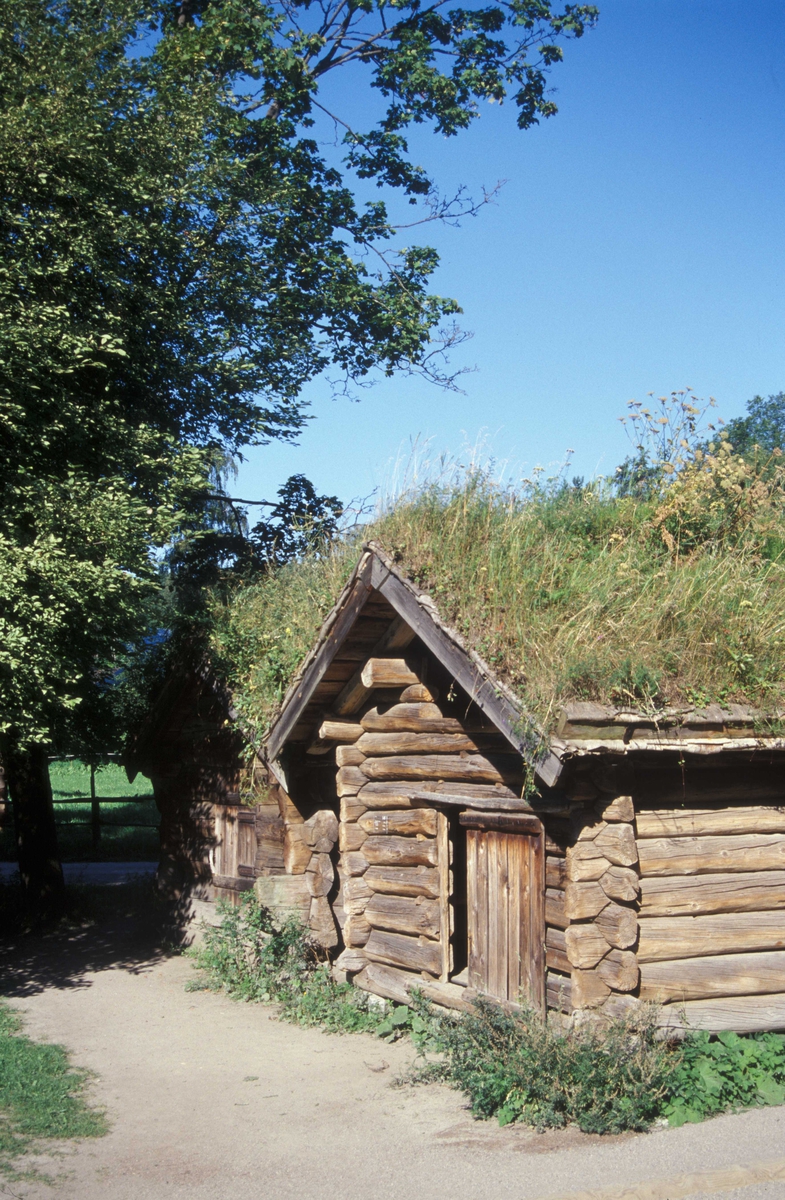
[388,982]
[474,768]
[557,960]
[352,808]
[589,989]
[400,851]
[555,871]
[351,837]
[584,900]
[693,894]
[619,969]
[388,795]
[448,995]
[413,954]
[476,795]
[586,863]
[284,895]
[356,930]
[619,925]
[555,938]
[619,809]
[348,756]
[714,975]
[349,780]
[403,881]
[587,826]
[387,673]
[663,938]
[404,821]
[558,992]
[554,908]
[404,914]
[380,744]
[354,862]
[335,729]
[617,844]
[692,822]
[620,883]
[585,945]
[742,1014]
[418,693]
[694,855]
[412,718]
[506,822]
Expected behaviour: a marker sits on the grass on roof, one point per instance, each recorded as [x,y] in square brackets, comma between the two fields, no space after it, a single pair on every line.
[676,599]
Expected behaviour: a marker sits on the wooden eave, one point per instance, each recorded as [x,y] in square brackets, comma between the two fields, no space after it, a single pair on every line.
[377,586]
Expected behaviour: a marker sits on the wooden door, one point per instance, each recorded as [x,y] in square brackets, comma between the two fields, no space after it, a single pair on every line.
[505,867]
[234,855]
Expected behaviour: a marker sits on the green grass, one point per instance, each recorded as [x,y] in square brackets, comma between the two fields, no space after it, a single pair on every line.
[566,593]
[41,1095]
[119,842]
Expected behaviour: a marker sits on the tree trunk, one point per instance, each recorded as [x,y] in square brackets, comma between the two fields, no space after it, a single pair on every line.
[27,775]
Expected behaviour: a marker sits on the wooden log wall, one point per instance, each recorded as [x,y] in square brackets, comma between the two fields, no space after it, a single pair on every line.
[712,915]
[309,879]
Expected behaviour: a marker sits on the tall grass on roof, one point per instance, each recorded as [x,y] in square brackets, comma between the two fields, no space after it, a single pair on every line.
[673,597]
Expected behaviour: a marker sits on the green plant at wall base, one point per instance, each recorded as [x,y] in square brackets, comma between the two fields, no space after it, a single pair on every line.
[41,1094]
[728,1072]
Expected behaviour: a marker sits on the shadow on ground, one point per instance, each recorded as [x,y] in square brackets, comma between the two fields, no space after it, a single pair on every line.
[130,927]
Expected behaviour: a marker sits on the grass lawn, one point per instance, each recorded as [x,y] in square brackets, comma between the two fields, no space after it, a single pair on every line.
[120,842]
[41,1095]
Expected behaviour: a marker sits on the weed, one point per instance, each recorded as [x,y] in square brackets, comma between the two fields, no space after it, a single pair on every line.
[728,1072]
[41,1094]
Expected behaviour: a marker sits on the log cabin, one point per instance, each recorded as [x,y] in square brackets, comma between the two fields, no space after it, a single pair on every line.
[406,807]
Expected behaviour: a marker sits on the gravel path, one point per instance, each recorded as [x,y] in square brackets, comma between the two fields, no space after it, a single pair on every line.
[211,1098]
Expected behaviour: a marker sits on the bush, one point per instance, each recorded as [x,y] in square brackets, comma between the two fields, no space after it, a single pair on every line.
[604,1078]
[728,1072]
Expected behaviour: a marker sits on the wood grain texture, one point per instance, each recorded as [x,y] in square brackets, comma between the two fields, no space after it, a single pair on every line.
[743,1014]
[403,881]
[558,992]
[474,768]
[619,969]
[412,718]
[320,875]
[584,900]
[693,894]
[389,982]
[398,950]
[620,883]
[405,914]
[619,925]
[444,851]
[693,822]
[340,729]
[555,913]
[714,975]
[400,851]
[348,756]
[405,822]
[380,744]
[296,851]
[585,945]
[695,855]
[351,836]
[662,938]
[589,989]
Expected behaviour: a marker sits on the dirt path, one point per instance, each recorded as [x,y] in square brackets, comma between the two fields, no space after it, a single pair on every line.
[210,1098]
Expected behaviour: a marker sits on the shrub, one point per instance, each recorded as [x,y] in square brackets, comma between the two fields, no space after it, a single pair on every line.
[728,1072]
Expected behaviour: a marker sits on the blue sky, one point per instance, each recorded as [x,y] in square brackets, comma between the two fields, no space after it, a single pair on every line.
[637,245]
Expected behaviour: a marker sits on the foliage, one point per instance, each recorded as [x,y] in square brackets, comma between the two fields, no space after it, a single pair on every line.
[762,427]
[728,1072]
[41,1094]
[672,598]
[517,1067]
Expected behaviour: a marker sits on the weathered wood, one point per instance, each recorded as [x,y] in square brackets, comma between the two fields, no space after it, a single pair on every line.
[487,694]
[617,844]
[381,744]
[474,768]
[448,995]
[585,862]
[413,954]
[339,729]
[320,875]
[348,756]
[397,637]
[444,852]
[387,795]
[585,945]
[284,895]
[588,989]
[555,871]
[296,851]
[403,881]
[400,851]
[387,673]
[352,808]
[349,780]
[388,982]
[620,883]
[418,693]
[663,938]
[692,822]
[321,922]
[695,855]
[321,830]
[502,822]
[742,1014]
[618,1007]
[270,833]
[404,822]
[405,914]
[290,813]
[354,862]
[476,795]
[584,900]
[350,960]
[554,908]
[556,950]
[357,929]
[694,894]
[619,969]
[558,992]
[714,975]
[356,887]
[619,809]
[587,827]
[412,718]
[619,925]
[351,837]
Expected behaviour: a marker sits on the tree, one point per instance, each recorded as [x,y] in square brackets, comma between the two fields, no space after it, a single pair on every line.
[763,426]
[177,259]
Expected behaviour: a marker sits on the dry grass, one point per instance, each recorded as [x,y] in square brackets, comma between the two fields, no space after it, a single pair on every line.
[566,593]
